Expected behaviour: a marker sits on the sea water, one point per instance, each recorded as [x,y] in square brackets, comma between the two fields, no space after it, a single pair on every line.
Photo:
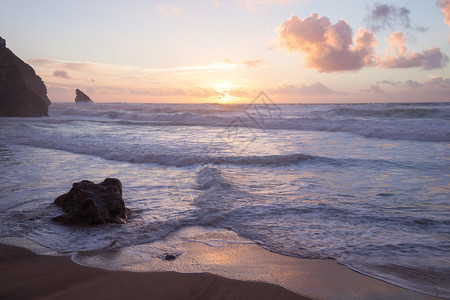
[365,184]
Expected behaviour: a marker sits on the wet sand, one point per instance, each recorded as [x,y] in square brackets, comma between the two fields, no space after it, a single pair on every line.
[209,264]
[25,275]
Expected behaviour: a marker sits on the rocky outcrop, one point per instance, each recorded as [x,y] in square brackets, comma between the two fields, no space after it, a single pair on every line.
[22,92]
[82,97]
[88,203]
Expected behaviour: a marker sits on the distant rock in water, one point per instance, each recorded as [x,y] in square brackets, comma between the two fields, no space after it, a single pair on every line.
[82,97]
[22,92]
[88,203]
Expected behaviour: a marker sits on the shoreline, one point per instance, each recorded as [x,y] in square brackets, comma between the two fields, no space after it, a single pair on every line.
[201,270]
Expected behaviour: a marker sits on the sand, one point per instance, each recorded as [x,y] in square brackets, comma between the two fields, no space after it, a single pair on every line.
[25,275]
[241,271]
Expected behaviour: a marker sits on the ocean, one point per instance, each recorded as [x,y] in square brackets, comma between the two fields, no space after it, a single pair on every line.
[364,184]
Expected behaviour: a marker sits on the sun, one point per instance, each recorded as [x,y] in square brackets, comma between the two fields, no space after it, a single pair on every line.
[223,92]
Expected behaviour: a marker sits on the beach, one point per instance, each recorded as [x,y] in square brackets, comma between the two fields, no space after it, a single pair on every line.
[26,275]
[226,149]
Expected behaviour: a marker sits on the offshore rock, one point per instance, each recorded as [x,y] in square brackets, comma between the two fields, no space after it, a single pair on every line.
[82,97]
[22,92]
[88,203]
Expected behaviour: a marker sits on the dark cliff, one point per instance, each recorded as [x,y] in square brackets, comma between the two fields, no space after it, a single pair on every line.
[22,92]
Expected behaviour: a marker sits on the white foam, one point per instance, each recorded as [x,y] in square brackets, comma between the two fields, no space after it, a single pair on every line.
[401,122]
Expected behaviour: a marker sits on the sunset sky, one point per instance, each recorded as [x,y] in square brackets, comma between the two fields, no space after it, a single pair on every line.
[305,51]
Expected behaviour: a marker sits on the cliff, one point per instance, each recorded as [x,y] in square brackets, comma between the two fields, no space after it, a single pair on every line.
[22,92]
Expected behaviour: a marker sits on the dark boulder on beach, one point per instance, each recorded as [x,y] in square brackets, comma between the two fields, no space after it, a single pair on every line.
[22,92]
[88,203]
[82,97]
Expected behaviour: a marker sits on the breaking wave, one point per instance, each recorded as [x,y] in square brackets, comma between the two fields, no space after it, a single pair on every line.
[401,122]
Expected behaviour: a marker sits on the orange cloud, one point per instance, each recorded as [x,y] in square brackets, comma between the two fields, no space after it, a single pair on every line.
[428,59]
[396,43]
[445,7]
[253,63]
[328,48]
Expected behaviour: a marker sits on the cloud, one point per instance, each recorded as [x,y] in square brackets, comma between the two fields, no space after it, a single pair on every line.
[445,7]
[374,89]
[382,16]
[130,83]
[407,83]
[439,84]
[175,92]
[62,74]
[74,66]
[412,83]
[168,9]
[253,63]
[40,61]
[428,59]
[328,48]
[435,83]
[79,66]
[433,90]
[317,88]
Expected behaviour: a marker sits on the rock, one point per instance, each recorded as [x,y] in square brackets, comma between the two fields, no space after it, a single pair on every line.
[82,97]
[88,203]
[22,92]
[169,257]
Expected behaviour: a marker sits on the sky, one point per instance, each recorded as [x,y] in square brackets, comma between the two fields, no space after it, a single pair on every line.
[227,51]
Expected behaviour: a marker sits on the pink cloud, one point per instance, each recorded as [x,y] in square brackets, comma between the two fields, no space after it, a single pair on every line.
[445,7]
[328,48]
[428,59]
[62,74]
[317,88]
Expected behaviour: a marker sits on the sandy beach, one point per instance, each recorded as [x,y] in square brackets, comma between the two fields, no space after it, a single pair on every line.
[201,271]
[25,275]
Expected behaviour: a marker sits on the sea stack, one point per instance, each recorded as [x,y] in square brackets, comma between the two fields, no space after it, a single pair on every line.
[82,97]
[22,92]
